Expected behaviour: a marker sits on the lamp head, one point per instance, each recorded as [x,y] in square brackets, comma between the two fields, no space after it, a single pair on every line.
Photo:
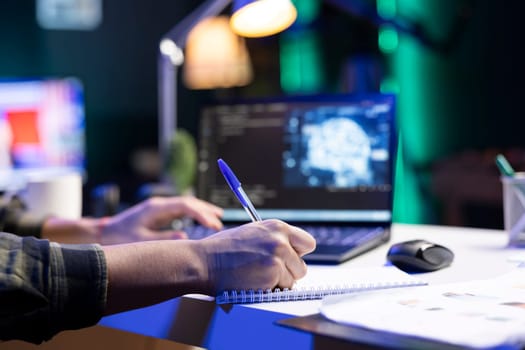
[257,18]
[215,56]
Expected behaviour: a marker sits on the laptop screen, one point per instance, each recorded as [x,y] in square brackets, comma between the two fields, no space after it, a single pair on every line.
[320,159]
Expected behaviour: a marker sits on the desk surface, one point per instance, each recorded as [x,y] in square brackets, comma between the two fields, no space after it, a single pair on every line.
[479,254]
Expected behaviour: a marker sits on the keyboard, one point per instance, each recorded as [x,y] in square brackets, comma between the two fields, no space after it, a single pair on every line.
[324,235]
[334,244]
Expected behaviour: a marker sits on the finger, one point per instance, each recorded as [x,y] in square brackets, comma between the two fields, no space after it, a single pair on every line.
[301,241]
[204,213]
[284,251]
[210,207]
[295,266]
[286,279]
[166,209]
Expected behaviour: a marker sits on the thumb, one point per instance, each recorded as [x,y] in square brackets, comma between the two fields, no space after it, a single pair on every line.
[301,241]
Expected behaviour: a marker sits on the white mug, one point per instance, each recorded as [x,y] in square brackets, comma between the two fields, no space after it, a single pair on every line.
[57,193]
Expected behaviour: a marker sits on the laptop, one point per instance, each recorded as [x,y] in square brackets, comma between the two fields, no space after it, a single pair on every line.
[323,163]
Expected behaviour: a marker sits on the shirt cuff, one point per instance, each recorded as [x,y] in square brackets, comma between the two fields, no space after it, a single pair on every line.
[79,285]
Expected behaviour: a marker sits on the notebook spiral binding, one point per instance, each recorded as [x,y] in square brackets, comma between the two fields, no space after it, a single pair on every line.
[306,293]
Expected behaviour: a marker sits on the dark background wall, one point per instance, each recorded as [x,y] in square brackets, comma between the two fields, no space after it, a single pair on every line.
[458,108]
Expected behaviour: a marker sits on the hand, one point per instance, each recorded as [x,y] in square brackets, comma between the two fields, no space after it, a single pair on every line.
[258,255]
[149,219]
[263,255]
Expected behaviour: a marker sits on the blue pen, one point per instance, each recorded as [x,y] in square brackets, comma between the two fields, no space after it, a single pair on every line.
[235,186]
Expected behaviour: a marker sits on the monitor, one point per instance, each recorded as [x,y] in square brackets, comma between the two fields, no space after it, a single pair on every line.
[42,124]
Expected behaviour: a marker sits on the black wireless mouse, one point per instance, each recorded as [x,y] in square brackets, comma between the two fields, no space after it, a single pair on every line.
[419,256]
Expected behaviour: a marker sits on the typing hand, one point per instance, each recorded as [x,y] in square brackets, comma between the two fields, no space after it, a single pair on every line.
[148,220]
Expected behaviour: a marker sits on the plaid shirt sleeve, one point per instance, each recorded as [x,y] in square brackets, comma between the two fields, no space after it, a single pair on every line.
[46,287]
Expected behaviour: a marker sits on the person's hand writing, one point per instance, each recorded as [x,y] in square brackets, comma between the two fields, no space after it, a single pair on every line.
[263,255]
[150,219]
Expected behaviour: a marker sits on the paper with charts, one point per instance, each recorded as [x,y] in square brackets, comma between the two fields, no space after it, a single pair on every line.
[477,314]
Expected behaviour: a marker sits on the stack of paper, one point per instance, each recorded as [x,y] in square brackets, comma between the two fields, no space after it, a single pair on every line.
[479,314]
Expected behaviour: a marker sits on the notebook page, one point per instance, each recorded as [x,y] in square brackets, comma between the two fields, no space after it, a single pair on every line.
[321,282]
[365,278]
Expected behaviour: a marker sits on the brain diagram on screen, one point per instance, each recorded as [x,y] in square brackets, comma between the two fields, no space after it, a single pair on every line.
[336,147]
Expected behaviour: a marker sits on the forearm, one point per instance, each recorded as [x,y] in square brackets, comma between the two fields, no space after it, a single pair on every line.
[152,272]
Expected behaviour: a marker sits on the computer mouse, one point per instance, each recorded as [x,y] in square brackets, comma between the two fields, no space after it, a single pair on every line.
[419,256]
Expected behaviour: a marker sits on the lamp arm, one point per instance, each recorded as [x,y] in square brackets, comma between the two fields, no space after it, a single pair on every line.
[167,104]
[168,62]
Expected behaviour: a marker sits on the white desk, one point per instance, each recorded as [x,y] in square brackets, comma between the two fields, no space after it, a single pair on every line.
[479,254]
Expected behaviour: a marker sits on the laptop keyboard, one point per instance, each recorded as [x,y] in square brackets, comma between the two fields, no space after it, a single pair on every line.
[343,236]
[325,235]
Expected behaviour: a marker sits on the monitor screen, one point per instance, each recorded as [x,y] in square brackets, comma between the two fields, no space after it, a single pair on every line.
[42,124]
[312,159]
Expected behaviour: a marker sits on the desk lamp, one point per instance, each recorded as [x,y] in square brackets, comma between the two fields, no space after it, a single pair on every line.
[251,18]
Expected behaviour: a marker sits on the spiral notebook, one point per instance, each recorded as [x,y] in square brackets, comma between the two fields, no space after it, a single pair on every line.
[321,282]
